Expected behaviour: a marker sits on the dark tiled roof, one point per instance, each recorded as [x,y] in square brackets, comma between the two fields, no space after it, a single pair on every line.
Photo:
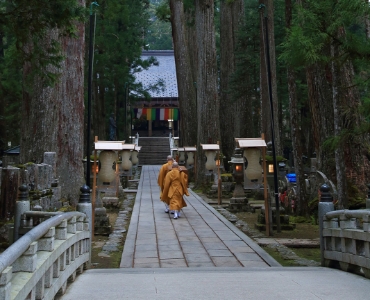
[13,151]
[165,70]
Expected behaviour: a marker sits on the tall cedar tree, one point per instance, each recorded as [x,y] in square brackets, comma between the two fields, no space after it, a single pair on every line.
[329,40]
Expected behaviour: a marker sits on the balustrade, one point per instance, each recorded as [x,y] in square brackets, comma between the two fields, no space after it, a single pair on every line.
[40,263]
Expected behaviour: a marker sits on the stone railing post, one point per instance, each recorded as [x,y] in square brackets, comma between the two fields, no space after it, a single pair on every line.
[325,205]
[21,206]
[84,205]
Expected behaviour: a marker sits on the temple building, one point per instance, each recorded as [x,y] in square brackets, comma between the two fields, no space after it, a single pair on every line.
[150,117]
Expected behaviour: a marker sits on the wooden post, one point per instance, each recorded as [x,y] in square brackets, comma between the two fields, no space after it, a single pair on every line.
[93,193]
[267,208]
[219,177]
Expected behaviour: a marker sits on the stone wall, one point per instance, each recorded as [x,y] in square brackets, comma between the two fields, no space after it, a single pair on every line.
[41,181]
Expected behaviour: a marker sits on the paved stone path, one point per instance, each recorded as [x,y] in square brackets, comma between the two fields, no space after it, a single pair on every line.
[201,237]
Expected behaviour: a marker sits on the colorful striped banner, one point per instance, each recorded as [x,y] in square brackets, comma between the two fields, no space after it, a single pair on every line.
[162,114]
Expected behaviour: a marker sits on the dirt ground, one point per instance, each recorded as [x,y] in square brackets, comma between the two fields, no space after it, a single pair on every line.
[304,230]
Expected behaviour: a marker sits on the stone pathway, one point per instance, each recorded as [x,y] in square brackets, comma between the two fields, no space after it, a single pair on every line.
[201,237]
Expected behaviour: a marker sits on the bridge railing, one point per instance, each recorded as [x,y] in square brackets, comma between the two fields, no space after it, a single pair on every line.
[346,241]
[40,263]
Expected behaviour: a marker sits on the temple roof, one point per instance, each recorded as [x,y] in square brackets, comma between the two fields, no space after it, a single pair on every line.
[165,70]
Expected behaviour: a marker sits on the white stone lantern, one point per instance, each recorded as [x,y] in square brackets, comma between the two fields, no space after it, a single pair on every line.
[181,152]
[108,158]
[125,155]
[107,170]
[174,153]
[211,152]
[253,172]
[134,155]
[175,141]
[252,153]
[190,154]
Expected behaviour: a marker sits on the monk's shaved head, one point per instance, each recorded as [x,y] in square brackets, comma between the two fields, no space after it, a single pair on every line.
[169,157]
[175,164]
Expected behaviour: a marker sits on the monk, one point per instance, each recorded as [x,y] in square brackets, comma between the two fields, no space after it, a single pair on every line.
[175,186]
[161,176]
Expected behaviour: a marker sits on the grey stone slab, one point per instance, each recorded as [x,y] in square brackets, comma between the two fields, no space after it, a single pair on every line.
[209,239]
[201,264]
[145,260]
[173,263]
[220,253]
[152,240]
[226,261]
[248,256]
[253,264]
[146,236]
[214,246]
[146,247]
[147,265]
[169,247]
[142,254]
[188,238]
[197,257]
[172,254]
[166,241]
[245,249]
[206,233]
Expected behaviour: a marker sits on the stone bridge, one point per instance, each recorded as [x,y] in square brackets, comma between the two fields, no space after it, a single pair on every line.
[201,255]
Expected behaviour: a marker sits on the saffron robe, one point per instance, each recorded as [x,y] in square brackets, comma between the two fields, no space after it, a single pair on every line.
[175,186]
[162,174]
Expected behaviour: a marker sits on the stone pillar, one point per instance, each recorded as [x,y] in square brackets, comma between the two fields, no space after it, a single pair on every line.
[325,205]
[50,159]
[21,206]
[84,205]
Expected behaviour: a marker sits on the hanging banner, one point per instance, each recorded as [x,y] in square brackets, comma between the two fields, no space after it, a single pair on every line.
[162,114]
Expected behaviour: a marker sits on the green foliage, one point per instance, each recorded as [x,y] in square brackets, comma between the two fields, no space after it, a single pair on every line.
[120,27]
[158,35]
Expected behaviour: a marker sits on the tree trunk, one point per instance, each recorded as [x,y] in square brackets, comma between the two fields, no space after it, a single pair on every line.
[339,157]
[185,80]
[264,93]
[53,117]
[207,95]
[321,114]
[295,125]
[232,111]
[99,115]
[265,101]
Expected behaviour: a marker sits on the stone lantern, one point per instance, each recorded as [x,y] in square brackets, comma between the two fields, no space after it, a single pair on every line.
[125,155]
[174,153]
[107,172]
[238,202]
[211,152]
[190,156]
[175,141]
[181,152]
[237,165]
[134,155]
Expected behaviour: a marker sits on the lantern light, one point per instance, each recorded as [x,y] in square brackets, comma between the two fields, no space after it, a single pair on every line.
[271,168]
[238,168]
[96,169]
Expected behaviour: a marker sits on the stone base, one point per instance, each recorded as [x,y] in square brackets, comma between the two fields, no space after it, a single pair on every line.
[102,225]
[110,201]
[239,204]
